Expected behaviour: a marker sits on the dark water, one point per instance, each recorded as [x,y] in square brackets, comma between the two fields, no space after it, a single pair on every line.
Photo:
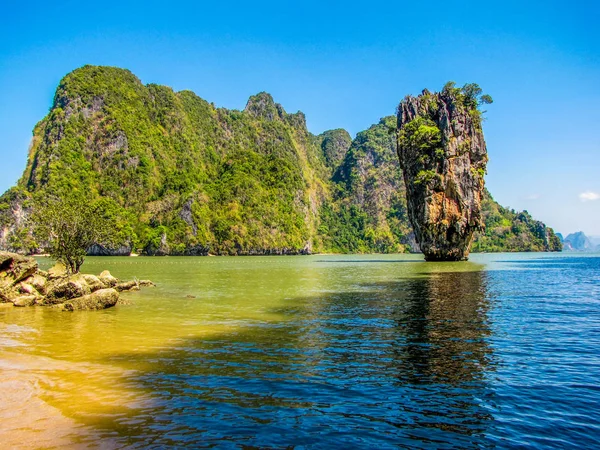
[323,352]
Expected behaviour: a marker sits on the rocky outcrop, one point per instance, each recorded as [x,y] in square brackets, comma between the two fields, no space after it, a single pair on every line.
[443,156]
[334,145]
[67,288]
[15,268]
[14,234]
[262,106]
[159,248]
[23,284]
[185,177]
[101,299]
[101,250]
[106,278]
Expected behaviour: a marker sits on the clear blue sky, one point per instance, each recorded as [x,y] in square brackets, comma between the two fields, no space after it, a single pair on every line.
[344,65]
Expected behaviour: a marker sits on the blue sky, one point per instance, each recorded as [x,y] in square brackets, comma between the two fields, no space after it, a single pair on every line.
[344,65]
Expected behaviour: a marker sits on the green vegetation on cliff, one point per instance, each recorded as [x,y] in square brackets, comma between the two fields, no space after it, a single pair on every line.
[367,211]
[184,177]
[507,230]
[191,177]
[334,145]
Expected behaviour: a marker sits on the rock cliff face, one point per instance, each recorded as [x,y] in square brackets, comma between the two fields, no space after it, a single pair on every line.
[184,177]
[335,145]
[368,210]
[443,156]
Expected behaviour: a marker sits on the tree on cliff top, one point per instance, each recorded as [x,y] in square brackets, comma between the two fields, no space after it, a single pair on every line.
[471,94]
[72,223]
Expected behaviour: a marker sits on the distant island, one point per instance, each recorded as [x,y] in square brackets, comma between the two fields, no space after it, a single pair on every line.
[579,242]
[184,177]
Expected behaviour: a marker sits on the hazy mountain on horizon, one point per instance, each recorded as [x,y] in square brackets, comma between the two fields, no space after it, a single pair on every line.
[579,242]
[595,240]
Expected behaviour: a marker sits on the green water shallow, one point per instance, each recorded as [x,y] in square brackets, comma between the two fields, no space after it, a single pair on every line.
[203,297]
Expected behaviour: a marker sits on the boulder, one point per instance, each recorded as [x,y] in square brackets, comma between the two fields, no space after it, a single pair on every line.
[127,286]
[23,284]
[8,295]
[106,278]
[26,288]
[15,268]
[93,282]
[67,289]
[101,299]
[25,300]
[39,282]
[58,270]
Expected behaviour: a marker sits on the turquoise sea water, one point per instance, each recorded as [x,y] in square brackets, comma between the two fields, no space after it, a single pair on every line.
[314,352]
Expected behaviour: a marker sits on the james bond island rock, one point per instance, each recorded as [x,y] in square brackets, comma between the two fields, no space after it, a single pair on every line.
[443,156]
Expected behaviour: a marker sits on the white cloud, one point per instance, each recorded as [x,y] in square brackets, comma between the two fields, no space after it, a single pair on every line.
[588,196]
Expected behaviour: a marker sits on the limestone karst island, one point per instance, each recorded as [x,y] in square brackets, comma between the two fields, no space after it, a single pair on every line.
[299,225]
[177,175]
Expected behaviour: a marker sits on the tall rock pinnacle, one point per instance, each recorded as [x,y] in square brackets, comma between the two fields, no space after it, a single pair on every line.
[443,157]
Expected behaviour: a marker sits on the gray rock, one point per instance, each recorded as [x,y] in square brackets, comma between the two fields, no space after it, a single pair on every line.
[263,106]
[411,243]
[25,300]
[106,278]
[188,216]
[15,268]
[101,299]
[162,249]
[93,282]
[100,250]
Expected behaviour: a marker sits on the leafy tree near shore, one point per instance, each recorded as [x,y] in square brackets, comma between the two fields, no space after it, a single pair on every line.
[70,224]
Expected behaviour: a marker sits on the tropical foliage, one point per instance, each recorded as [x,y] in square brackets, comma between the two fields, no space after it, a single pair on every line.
[507,230]
[184,177]
[70,224]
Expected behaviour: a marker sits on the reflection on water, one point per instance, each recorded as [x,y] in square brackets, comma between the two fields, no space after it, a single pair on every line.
[447,328]
[350,351]
[391,362]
